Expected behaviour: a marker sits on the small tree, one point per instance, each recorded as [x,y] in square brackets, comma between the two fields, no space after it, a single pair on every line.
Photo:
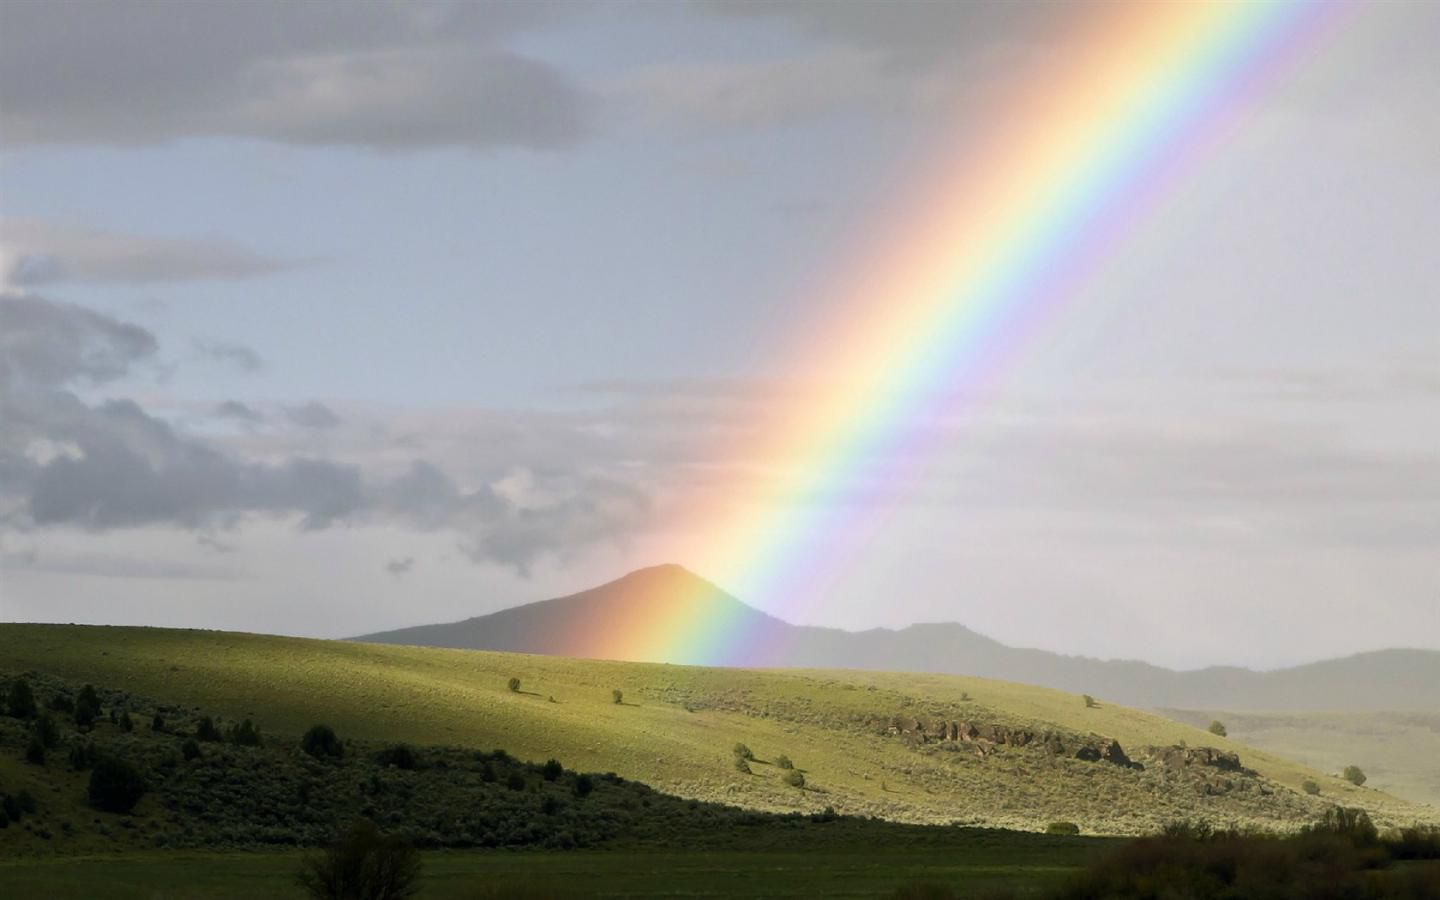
[115,785]
[516,782]
[552,769]
[87,707]
[208,731]
[21,700]
[127,724]
[964,696]
[584,784]
[362,864]
[157,723]
[514,685]
[190,749]
[1353,775]
[743,752]
[1217,728]
[794,779]
[245,734]
[82,756]
[1310,787]
[321,742]
[400,756]
[618,696]
[784,762]
[1089,701]
[47,731]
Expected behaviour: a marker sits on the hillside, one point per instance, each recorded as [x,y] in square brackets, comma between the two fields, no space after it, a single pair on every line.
[868,743]
[578,625]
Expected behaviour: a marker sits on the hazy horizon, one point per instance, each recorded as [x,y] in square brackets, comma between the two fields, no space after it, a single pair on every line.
[329,320]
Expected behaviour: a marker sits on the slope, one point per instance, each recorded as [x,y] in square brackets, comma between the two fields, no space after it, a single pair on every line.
[857,737]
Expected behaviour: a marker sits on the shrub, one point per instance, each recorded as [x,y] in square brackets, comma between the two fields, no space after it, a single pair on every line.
[61,703]
[47,731]
[245,734]
[157,723]
[1348,822]
[552,769]
[487,773]
[126,724]
[1311,788]
[10,805]
[784,762]
[87,707]
[82,756]
[618,696]
[21,701]
[1089,701]
[207,730]
[1062,828]
[743,752]
[1415,842]
[741,765]
[516,782]
[115,785]
[584,784]
[362,864]
[793,778]
[964,696]
[400,756]
[1217,728]
[1353,775]
[35,751]
[514,685]
[321,741]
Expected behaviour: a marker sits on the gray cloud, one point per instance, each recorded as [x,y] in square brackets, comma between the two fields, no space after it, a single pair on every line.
[239,412]
[35,253]
[66,462]
[400,566]
[380,75]
[314,415]
[238,355]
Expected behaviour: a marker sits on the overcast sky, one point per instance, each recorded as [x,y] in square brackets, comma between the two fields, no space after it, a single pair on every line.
[320,319]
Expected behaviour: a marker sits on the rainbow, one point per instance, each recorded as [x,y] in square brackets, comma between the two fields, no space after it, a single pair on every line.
[991,249]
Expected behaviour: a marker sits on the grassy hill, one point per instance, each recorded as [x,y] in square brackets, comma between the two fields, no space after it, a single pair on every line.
[677,726]
[1398,751]
[581,624]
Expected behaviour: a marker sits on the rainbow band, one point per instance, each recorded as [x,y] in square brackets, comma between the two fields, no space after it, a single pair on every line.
[1089,146]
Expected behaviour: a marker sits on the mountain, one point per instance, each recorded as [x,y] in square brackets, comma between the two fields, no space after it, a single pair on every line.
[599,623]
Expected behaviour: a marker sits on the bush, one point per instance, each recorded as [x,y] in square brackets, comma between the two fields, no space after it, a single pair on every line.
[190,749]
[1217,728]
[61,703]
[552,769]
[35,751]
[743,752]
[322,742]
[157,723]
[87,707]
[514,685]
[516,782]
[741,765]
[1062,828]
[126,724]
[1353,775]
[245,734]
[362,864]
[1351,823]
[1311,788]
[115,785]
[47,731]
[400,756]
[584,784]
[207,731]
[82,757]
[793,778]
[784,762]
[21,701]
[1089,701]
[618,696]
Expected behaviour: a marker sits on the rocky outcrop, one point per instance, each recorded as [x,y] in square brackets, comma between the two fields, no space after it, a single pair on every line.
[1212,772]
[984,739]
[1177,758]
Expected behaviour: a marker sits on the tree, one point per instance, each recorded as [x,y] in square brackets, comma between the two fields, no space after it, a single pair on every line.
[618,696]
[1217,728]
[584,784]
[1353,775]
[514,685]
[1310,787]
[87,707]
[1089,701]
[742,766]
[47,731]
[207,731]
[552,769]
[794,779]
[21,701]
[321,741]
[126,723]
[784,762]
[115,785]
[363,863]
[400,756]
[157,723]
[245,734]
[35,751]
[743,752]
[190,749]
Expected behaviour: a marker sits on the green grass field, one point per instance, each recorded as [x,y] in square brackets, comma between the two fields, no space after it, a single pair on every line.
[1012,864]
[677,727]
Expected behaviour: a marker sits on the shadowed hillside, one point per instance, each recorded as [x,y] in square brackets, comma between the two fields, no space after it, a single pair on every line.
[583,625]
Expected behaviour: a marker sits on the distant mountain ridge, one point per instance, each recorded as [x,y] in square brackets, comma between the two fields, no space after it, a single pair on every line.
[583,625]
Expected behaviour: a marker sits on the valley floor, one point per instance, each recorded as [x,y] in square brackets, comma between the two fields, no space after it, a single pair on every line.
[1018,864]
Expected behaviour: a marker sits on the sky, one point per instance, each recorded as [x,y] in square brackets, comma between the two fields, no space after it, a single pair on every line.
[323,319]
